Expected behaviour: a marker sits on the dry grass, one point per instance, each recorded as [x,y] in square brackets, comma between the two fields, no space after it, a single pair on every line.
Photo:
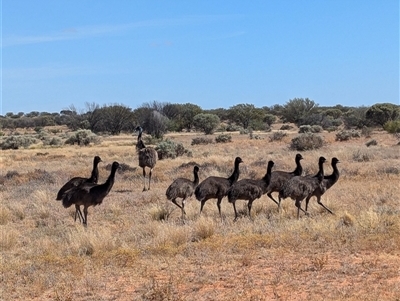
[136,247]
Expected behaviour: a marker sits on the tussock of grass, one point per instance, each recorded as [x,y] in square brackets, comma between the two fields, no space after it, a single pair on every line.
[8,239]
[5,215]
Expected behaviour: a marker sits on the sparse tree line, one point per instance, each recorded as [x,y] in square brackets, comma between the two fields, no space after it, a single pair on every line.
[158,118]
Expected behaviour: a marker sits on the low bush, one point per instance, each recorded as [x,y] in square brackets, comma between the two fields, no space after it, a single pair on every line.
[371,142]
[345,135]
[201,140]
[277,136]
[83,138]
[392,126]
[286,127]
[16,142]
[223,138]
[310,129]
[170,149]
[307,141]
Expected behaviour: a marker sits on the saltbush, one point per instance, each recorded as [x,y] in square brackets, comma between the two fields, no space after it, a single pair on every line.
[223,138]
[310,129]
[307,141]
[170,149]
[16,142]
[83,138]
[277,136]
[345,135]
[201,140]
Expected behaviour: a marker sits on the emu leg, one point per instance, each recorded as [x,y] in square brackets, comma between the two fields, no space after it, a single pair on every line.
[298,205]
[202,205]
[249,206]
[219,206]
[319,202]
[144,179]
[269,194]
[151,171]
[85,212]
[78,213]
[234,209]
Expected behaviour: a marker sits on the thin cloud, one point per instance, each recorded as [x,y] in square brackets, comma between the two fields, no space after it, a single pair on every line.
[75,33]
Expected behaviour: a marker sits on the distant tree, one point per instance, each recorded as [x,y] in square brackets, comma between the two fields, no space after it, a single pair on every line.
[207,123]
[245,114]
[275,109]
[188,111]
[297,109]
[157,124]
[355,118]
[222,113]
[269,119]
[151,118]
[382,112]
[94,117]
[334,113]
[114,118]
[75,118]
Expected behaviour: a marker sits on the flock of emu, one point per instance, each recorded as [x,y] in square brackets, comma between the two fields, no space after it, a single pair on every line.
[87,192]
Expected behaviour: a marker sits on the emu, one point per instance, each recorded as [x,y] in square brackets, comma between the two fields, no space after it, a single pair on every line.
[216,187]
[279,178]
[89,194]
[298,188]
[76,181]
[182,188]
[327,183]
[147,157]
[249,189]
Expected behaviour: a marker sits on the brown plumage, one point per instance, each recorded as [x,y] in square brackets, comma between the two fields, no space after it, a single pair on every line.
[249,189]
[298,188]
[76,181]
[182,188]
[147,157]
[216,187]
[327,183]
[89,194]
[279,178]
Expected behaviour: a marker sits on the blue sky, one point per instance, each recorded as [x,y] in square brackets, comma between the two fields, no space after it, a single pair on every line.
[215,54]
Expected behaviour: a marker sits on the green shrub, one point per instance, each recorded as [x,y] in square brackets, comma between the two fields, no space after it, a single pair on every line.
[392,126]
[201,140]
[223,138]
[170,149]
[345,135]
[83,138]
[16,142]
[277,136]
[307,141]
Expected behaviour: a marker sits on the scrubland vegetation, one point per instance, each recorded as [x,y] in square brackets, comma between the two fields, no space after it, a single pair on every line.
[136,247]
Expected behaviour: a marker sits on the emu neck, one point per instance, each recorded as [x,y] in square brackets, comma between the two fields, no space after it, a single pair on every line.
[320,174]
[235,175]
[299,169]
[110,180]
[267,176]
[94,177]
[196,178]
